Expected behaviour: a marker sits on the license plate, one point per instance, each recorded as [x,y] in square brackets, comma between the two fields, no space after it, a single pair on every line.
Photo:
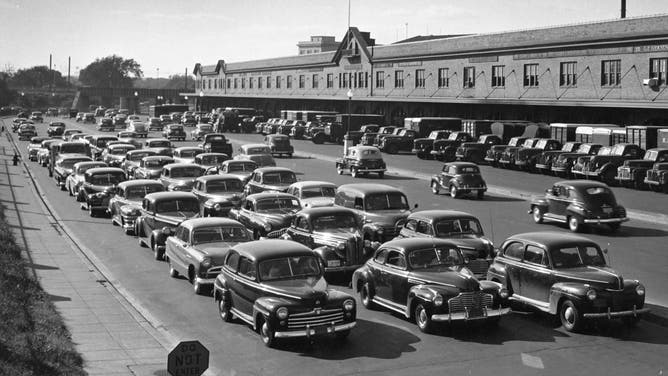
[333,263]
[323,330]
[607,210]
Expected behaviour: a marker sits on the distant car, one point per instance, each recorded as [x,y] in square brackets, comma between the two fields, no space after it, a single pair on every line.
[37,117]
[65,166]
[265,212]
[241,168]
[34,146]
[211,161]
[216,143]
[578,203]
[656,178]
[284,292]
[197,248]
[119,119]
[279,144]
[88,117]
[476,151]
[562,164]
[68,133]
[459,178]
[125,204]
[105,125]
[150,167]
[270,179]
[154,124]
[139,128]
[313,194]
[132,118]
[79,117]
[56,129]
[258,153]
[493,155]
[427,280]
[632,172]
[200,131]
[132,159]
[188,120]
[97,188]
[161,145]
[76,179]
[174,131]
[165,119]
[218,194]
[114,155]
[567,276]
[186,154]
[27,131]
[361,160]
[180,176]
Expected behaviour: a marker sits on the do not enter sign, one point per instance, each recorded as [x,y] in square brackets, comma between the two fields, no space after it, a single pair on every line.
[189,358]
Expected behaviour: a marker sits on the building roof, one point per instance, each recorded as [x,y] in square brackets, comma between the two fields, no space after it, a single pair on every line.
[421,38]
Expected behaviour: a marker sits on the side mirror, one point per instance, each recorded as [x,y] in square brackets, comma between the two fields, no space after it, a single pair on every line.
[495,252]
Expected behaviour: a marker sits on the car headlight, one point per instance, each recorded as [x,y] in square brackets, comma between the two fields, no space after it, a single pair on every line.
[438,300]
[282,313]
[129,210]
[591,294]
[267,227]
[341,246]
[380,230]
[503,293]
[206,262]
[640,290]
[217,207]
[100,195]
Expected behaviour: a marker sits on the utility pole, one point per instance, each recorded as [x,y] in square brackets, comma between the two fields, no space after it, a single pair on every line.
[69,66]
[186,79]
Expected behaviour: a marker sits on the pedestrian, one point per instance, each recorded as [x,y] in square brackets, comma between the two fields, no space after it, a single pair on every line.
[3,130]
[15,158]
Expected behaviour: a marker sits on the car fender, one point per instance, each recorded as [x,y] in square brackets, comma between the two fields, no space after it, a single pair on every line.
[541,202]
[324,251]
[426,295]
[371,229]
[360,276]
[607,166]
[266,306]
[570,290]
[577,209]
[497,272]
[159,237]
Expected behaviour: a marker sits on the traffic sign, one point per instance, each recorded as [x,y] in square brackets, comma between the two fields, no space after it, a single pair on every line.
[189,358]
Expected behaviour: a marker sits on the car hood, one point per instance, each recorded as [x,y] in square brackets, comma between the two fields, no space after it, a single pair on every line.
[282,219]
[91,188]
[603,277]
[455,277]
[276,187]
[386,217]
[338,234]
[308,289]
[217,250]
[638,163]
[317,202]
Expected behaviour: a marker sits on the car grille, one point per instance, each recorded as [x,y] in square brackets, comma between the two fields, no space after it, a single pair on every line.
[355,251]
[317,317]
[478,266]
[474,303]
[372,164]
[624,173]
[213,272]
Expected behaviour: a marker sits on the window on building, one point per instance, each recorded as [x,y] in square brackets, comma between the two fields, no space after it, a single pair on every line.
[498,79]
[469,77]
[443,77]
[301,81]
[215,84]
[658,68]
[243,82]
[345,80]
[259,82]
[288,84]
[269,82]
[531,75]
[314,81]
[278,82]
[250,82]
[209,80]
[568,74]
[330,80]
[399,78]
[229,83]
[611,72]
[235,83]
[366,79]
[419,78]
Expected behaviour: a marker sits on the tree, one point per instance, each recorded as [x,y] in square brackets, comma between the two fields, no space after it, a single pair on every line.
[111,71]
[173,82]
[37,77]
[6,95]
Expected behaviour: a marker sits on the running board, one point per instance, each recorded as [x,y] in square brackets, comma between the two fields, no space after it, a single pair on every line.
[248,319]
[389,305]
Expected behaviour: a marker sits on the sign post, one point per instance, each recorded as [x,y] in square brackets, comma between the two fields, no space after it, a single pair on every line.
[189,358]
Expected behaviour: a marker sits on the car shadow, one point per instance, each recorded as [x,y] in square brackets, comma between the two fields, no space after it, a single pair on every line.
[390,177]
[499,198]
[362,343]
[626,231]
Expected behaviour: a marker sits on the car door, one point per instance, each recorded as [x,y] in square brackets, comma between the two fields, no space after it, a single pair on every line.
[244,214]
[246,286]
[409,229]
[396,279]
[558,200]
[536,276]
[301,232]
[512,257]
[174,250]
[377,270]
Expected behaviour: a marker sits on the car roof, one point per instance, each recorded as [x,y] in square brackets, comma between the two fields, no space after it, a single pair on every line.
[139,182]
[180,165]
[194,223]
[365,147]
[312,183]
[260,250]
[170,195]
[264,170]
[103,170]
[246,146]
[324,210]
[430,215]
[580,185]
[269,194]
[408,244]
[188,148]
[277,135]
[366,188]
[74,156]
[202,155]
[551,239]
[207,178]
[462,164]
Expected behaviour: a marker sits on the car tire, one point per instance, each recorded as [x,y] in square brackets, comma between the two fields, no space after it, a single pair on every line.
[156,251]
[365,296]
[92,212]
[172,272]
[454,192]
[224,311]
[339,169]
[353,172]
[537,214]
[69,192]
[435,188]
[570,316]
[481,195]
[381,174]
[574,223]
[423,319]
[267,334]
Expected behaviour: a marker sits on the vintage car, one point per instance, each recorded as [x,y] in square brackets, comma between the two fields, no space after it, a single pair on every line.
[37,117]
[79,136]
[97,188]
[265,212]
[56,129]
[180,176]
[151,167]
[374,138]
[445,150]
[604,167]
[247,125]
[543,163]
[279,144]
[461,228]
[114,155]
[98,143]
[211,161]
[567,276]
[401,141]
[427,280]
[581,163]
[200,131]
[186,154]
[656,178]
[125,204]
[562,164]
[476,151]
[272,127]
[139,128]
[161,145]
[241,168]
[197,247]
[34,146]
[216,143]
[188,120]
[218,194]
[258,153]
[174,131]
[287,126]
[64,166]
[160,213]
[361,160]
[259,127]
[88,117]
[44,152]
[164,120]
[510,154]
[494,154]
[334,234]
[578,203]
[132,160]
[79,117]
[313,194]
[270,179]
[106,125]
[633,172]
[120,119]
[76,178]
[154,124]
[278,287]
[382,208]
[459,178]
[66,147]
[27,131]
[68,133]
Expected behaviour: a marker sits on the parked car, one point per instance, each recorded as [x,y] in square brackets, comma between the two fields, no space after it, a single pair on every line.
[265,212]
[632,172]
[581,164]
[313,194]
[218,194]
[579,203]
[114,155]
[604,167]
[64,166]
[656,178]
[278,287]
[76,179]
[186,154]
[125,204]
[279,144]
[567,276]
[459,178]
[216,143]
[151,167]
[494,154]
[562,164]
[180,176]
[446,150]
[543,162]
[79,117]
[197,247]
[461,228]
[97,188]
[395,143]
[241,168]
[382,208]
[247,125]
[88,117]
[427,280]
[174,131]
[160,213]
[200,131]
[270,179]
[258,153]
[361,160]
[476,151]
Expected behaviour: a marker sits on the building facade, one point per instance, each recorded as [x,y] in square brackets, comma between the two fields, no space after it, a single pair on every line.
[608,72]
[317,44]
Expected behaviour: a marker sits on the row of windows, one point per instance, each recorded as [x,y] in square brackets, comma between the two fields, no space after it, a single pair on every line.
[611,75]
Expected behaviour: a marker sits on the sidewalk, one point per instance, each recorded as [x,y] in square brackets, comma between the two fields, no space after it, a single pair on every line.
[112,337]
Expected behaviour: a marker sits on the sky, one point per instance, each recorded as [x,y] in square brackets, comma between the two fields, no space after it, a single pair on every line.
[166,37]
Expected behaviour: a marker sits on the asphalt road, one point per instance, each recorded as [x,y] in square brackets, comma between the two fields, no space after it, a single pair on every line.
[384,343]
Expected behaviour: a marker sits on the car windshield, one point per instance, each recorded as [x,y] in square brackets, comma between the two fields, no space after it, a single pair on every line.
[576,256]
[318,192]
[138,193]
[157,163]
[289,268]
[186,172]
[159,144]
[228,185]
[284,204]
[449,227]
[69,163]
[386,201]
[258,150]
[283,177]
[190,153]
[234,167]
[219,234]
[599,196]
[434,257]
[107,178]
[216,138]
[184,208]
[120,151]
[335,221]
[213,159]
[139,156]
[469,170]
[75,148]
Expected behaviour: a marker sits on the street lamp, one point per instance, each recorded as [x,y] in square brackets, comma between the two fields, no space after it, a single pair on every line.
[136,102]
[201,96]
[350,100]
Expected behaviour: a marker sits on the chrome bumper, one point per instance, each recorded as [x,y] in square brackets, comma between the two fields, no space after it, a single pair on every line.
[464,316]
[312,332]
[543,166]
[613,315]
[605,220]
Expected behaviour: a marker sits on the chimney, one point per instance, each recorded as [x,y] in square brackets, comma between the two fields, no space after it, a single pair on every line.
[623,8]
